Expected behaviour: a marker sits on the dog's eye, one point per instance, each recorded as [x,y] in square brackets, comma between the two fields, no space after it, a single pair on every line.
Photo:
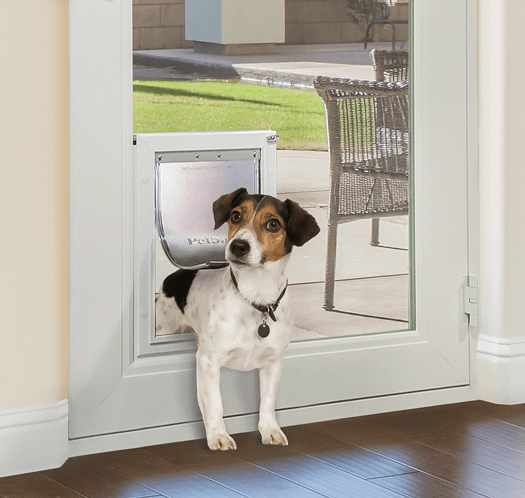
[236,217]
[273,226]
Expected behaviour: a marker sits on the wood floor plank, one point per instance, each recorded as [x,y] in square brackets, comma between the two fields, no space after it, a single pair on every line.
[93,481]
[511,414]
[34,486]
[425,459]
[459,417]
[344,456]
[160,475]
[231,472]
[418,485]
[191,455]
[306,471]
[450,435]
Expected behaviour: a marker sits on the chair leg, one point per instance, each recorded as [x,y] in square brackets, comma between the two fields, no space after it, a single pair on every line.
[329,280]
[374,239]
[367,39]
[393,36]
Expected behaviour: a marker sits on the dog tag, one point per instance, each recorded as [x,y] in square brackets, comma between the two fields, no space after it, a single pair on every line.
[263,330]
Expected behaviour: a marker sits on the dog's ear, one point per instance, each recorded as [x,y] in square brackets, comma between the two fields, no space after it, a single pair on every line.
[301,225]
[223,206]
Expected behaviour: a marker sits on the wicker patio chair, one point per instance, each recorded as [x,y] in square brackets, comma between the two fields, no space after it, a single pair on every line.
[390,65]
[367,124]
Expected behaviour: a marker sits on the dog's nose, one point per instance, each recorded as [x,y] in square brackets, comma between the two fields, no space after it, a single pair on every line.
[239,247]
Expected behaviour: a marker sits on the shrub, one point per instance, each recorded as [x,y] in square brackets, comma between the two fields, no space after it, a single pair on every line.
[361,11]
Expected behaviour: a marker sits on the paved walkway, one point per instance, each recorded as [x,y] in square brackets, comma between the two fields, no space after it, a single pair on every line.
[292,65]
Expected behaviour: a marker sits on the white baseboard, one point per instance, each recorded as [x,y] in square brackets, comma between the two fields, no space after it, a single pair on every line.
[33,438]
[501,370]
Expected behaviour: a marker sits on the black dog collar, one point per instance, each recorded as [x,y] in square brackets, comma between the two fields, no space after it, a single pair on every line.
[265,309]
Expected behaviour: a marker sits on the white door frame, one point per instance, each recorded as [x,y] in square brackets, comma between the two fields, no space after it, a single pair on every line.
[101,136]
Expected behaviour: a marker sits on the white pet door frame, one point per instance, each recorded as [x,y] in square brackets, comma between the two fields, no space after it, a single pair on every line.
[173,170]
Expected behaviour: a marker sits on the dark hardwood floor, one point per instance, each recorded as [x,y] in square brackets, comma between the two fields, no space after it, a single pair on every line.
[466,450]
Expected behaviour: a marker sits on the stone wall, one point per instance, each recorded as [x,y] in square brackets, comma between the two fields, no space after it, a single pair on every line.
[327,21]
[160,23]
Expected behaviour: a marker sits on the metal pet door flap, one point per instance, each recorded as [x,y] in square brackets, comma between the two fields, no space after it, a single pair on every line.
[186,185]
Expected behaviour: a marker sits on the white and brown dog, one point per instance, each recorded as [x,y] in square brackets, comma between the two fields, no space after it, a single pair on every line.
[241,315]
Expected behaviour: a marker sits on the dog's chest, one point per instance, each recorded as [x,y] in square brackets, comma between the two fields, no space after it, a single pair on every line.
[245,349]
[226,326]
[237,341]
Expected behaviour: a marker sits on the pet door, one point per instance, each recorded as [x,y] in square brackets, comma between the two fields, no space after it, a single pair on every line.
[178,176]
[186,185]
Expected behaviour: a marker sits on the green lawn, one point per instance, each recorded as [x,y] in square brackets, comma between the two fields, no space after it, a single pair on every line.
[168,106]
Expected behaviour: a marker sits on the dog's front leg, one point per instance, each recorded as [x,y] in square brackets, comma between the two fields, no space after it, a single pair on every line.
[210,403]
[269,377]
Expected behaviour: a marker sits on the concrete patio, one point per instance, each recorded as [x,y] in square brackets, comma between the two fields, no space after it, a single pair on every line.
[371,293]
[292,66]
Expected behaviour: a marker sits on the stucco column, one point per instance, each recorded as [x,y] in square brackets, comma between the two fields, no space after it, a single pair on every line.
[501,346]
[233,27]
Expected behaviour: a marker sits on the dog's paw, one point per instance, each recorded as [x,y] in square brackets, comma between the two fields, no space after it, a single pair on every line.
[221,442]
[274,435]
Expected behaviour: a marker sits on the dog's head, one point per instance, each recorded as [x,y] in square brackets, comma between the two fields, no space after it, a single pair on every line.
[261,228]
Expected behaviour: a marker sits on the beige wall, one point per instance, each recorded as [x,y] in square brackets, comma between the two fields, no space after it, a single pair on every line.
[502,167]
[34,203]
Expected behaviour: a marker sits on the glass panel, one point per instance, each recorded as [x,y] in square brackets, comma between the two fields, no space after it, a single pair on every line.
[356,183]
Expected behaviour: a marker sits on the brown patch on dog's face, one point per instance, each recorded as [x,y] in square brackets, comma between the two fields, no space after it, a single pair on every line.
[240,216]
[270,229]
[261,215]
[277,226]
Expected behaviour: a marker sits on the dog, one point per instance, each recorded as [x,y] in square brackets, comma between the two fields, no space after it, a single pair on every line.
[241,315]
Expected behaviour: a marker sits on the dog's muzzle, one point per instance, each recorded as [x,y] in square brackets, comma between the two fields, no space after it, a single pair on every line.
[240,248]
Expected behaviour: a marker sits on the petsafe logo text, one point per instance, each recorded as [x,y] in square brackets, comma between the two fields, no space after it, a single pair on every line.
[206,241]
